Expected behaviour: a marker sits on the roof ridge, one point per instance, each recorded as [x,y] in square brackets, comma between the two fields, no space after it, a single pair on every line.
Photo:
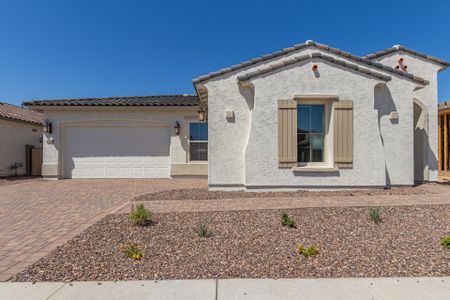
[407,50]
[309,43]
[153,100]
[115,97]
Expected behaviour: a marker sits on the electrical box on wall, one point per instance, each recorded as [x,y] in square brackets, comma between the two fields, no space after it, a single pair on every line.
[229,114]
[393,115]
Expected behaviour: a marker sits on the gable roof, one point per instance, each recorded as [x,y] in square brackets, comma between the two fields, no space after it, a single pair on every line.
[162,100]
[309,56]
[310,43]
[16,113]
[410,51]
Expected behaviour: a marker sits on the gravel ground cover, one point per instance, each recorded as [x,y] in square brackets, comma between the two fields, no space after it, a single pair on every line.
[253,244]
[204,194]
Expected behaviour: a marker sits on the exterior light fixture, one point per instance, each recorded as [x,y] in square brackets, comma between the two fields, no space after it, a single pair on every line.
[201,114]
[397,67]
[314,67]
[177,128]
[400,60]
[47,126]
[405,67]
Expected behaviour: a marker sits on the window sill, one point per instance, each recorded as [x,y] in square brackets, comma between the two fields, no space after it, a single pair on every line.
[315,169]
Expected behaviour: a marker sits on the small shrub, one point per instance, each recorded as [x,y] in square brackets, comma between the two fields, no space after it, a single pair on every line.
[375,214]
[131,250]
[287,221]
[446,242]
[139,215]
[203,230]
[309,251]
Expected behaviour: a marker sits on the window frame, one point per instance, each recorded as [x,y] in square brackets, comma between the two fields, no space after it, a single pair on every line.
[189,141]
[328,142]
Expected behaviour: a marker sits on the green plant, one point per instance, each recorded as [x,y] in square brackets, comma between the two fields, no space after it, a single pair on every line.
[286,220]
[139,215]
[375,214]
[131,250]
[203,230]
[309,251]
[446,242]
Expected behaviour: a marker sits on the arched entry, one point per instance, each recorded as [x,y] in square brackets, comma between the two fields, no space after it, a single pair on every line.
[421,142]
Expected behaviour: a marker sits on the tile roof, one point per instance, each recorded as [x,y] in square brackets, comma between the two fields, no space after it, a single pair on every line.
[309,56]
[162,100]
[16,113]
[444,105]
[310,43]
[410,51]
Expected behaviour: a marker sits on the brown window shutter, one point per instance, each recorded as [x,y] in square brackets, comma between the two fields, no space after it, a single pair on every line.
[343,134]
[287,133]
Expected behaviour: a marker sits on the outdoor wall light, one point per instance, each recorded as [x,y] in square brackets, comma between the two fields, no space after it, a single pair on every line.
[400,60]
[201,114]
[405,67]
[397,67]
[314,67]
[47,126]
[177,128]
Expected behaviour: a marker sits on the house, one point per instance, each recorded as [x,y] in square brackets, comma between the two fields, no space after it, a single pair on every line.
[308,116]
[443,136]
[20,130]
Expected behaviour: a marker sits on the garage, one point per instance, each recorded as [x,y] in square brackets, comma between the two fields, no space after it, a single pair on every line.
[117,152]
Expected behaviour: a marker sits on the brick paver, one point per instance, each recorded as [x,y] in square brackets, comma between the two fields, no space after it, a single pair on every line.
[37,216]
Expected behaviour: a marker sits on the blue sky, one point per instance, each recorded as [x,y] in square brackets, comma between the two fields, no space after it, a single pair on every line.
[96,48]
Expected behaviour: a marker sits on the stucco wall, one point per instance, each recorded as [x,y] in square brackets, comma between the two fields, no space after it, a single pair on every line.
[244,151]
[14,136]
[52,166]
[426,98]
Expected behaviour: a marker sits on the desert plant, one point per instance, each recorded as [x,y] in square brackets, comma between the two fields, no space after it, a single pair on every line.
[286,220]
[139,215]
[375,214]
[203,230]
[309,251]
[446,242]
[131,250]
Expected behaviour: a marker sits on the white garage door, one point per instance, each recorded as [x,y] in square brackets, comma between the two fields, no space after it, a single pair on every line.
[117,152]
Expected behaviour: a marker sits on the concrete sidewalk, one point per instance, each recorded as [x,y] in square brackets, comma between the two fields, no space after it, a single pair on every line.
[435,288]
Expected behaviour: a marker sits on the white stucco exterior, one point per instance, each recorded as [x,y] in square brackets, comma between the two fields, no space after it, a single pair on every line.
[62,118]
[244,151]
[14,136]
[426,98]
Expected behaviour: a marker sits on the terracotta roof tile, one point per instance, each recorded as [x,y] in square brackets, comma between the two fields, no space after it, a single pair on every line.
[16,113]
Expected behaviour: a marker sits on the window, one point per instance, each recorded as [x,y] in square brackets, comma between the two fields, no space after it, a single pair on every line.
[198,141]
[310,133]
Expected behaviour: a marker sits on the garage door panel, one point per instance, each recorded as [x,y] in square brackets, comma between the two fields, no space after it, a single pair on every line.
[117,152]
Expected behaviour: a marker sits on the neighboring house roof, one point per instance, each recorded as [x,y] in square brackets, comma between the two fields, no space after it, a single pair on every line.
[444,105]
[163,100]
[410,51]
[310,43]
[16,113]
[309,56]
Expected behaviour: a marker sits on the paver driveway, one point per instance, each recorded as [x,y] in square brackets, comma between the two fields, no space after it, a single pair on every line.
[37,216]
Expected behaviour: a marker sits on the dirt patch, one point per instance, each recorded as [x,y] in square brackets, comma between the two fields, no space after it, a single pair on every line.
[18,180]
[253,244]
[204,194]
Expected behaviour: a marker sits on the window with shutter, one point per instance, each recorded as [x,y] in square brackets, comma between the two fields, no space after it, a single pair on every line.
[343,134]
